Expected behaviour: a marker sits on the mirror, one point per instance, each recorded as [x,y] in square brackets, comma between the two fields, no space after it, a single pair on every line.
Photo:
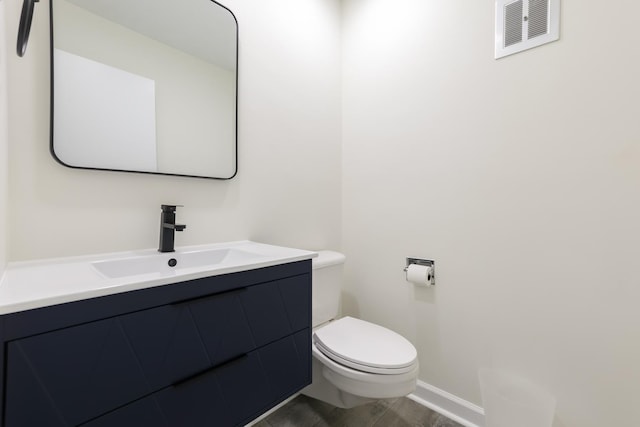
[144,86]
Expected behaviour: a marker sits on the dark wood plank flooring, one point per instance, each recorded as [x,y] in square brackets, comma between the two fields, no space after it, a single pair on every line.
[304,411]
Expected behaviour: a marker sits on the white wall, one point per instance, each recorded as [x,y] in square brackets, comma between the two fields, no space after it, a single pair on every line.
[4,164]
[520,177]
[289,126]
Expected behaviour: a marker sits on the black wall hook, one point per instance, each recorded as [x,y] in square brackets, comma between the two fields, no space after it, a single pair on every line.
[25,25]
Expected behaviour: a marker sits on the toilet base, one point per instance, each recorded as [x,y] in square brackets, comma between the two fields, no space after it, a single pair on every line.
[323,390]
[355,389]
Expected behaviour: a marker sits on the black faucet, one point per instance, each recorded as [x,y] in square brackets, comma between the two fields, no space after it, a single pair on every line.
[168,227]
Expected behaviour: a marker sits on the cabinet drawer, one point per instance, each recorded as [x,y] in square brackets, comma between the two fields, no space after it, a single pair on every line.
[278,308]
[219,397]
[89,369]
[176,340]
[236,392]
[71,375]
[230,394]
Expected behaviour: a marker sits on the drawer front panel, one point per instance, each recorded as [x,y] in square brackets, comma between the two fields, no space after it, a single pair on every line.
[239,391]
[277,309]
[222,325]
[287,363]
[296,296]
[178,340]
[219,397]
[28,403]
[166,343]
[85,370]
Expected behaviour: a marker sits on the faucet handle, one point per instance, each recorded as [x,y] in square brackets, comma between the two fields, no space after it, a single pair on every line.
[170,208]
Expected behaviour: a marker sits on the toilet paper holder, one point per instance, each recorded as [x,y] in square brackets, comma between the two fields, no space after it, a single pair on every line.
[426,262]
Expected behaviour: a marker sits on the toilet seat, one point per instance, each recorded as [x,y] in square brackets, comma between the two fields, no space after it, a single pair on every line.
[365,347]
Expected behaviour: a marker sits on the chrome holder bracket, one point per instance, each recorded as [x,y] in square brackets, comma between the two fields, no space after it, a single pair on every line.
[425,262]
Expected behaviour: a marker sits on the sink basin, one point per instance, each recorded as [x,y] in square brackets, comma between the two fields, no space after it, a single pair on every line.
[28,285]
[162,262]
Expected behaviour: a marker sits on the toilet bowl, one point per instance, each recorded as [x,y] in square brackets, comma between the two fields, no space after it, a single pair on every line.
[354,361]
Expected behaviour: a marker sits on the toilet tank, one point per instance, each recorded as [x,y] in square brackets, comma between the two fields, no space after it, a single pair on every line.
[327,286]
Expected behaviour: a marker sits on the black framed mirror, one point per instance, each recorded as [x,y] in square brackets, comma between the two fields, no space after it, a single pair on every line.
[145,86]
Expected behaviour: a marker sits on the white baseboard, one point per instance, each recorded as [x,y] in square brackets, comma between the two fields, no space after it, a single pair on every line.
[452,407]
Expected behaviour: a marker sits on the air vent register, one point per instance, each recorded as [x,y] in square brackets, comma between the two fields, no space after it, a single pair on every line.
[523,24]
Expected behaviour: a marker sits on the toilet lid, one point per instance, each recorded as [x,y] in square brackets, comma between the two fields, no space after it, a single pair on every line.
[365,346]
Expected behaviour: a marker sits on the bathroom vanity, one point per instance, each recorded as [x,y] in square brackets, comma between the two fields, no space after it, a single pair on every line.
[202,347]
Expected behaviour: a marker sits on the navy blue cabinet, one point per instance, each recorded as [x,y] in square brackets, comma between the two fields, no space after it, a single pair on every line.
[217,351]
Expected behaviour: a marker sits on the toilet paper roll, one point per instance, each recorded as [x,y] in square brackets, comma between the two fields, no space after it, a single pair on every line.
[419,274]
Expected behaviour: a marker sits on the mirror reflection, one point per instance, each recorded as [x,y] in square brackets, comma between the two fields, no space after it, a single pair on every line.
[145,85]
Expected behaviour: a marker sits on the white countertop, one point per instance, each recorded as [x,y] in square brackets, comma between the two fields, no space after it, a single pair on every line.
[33,284]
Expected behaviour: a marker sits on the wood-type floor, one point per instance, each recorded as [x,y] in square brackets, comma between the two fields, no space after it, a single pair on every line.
[304,411]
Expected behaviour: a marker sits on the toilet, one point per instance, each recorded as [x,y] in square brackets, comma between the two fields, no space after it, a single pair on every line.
[354,362]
